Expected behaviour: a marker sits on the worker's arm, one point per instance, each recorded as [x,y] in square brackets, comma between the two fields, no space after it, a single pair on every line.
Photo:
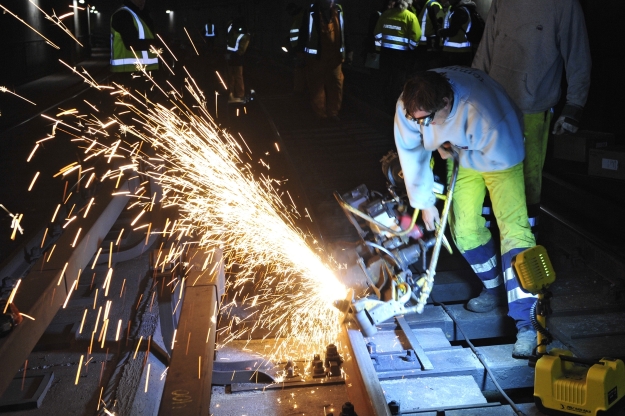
[414,32]
[377,33]
[434,9]
[414,159]
[459,17]
[575,51]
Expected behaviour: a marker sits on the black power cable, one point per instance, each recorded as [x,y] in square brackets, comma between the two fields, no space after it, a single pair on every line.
[479,357]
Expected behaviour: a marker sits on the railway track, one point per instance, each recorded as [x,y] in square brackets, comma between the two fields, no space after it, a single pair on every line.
[433,363]
[421,364]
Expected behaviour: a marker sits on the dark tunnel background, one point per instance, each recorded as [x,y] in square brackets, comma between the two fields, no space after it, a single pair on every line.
[26,56]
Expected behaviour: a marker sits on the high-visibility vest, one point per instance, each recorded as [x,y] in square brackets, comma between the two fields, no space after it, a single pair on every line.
[312,45]
[124,60]
[295,26]
[427,29]
[210,30]
[235,35]
[458,42]
[398,30]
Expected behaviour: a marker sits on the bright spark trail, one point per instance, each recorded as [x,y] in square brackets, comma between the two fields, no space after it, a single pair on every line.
[205,172]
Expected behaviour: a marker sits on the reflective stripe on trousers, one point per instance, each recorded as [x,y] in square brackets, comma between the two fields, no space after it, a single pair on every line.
[473,239]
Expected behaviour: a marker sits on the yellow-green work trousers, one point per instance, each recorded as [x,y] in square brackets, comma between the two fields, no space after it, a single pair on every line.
[474,240]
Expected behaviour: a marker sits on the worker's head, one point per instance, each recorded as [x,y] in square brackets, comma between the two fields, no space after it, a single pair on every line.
[292,9]
[139,3]
[402,4]
[427,97]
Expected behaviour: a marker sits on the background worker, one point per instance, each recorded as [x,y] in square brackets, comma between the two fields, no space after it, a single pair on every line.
[299,62]
[321,38]
[431,19]
[465,109]
[132,29]
[210,35]
[456,46]
[397,34]
[526,47]
[237,42]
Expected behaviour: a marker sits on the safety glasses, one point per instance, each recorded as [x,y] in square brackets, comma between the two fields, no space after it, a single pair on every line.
[423,121]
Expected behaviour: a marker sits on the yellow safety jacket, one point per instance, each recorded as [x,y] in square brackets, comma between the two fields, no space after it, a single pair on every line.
[312,44]
[124,60]
[397,29]
[459,41]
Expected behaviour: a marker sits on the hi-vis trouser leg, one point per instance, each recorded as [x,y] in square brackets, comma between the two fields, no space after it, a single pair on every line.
[474,240]
[536,133]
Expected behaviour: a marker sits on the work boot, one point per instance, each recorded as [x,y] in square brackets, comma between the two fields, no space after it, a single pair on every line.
[488,300]
[525,342]
[233,99]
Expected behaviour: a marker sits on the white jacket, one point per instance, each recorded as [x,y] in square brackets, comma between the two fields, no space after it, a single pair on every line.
[484,126]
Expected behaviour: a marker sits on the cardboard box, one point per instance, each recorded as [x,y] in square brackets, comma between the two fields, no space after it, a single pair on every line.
[608,162]
[576,146]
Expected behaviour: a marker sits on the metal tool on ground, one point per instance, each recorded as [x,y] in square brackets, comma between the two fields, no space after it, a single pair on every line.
[565,384]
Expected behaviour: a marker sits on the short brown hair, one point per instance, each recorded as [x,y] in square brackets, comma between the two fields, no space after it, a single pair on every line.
[425,91]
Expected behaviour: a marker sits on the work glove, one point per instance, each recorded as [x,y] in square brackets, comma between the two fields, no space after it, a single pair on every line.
[568,122]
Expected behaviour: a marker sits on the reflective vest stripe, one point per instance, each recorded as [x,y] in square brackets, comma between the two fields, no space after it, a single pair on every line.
[395,46]
[236,46]
[142,57]
[134,61]
[424,24]
[209,33]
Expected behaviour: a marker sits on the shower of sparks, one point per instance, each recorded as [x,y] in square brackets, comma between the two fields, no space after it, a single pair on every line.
[221,80]
[15,222]
[205,173]
[5,89]
[87,78]
[57,21]
[48,41]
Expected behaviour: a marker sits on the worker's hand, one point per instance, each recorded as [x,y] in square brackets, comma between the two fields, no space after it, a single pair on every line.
[568,122]
[565,125]
[430,217]
[444,150]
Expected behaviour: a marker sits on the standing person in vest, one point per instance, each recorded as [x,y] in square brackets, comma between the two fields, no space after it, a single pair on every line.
[132,29]
[321,38]
[397,33]
[296,13]
[465,110]
[456,46]
[210,34]
[527,46]
[237,43]
[431,19]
